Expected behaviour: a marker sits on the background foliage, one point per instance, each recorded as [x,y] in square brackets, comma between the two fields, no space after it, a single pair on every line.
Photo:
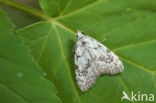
[28,52]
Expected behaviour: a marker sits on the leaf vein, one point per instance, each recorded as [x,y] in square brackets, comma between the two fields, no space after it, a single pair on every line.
[14,92]
[131,45]
[124,84]
[141,67]
[57,68]
[137,65]
[65,7]
[10,61]
[67,66]
[75,11]
[44,44]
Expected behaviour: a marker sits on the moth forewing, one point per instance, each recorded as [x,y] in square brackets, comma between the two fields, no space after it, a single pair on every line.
[93,59]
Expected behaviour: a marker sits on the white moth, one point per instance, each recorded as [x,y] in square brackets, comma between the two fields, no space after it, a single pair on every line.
[93,59]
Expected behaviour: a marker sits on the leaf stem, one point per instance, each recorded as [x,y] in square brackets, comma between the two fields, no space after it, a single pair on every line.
[25,8]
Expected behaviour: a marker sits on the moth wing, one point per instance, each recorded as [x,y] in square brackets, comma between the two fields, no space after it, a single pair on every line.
[85,71]
[105,60]
[92,60]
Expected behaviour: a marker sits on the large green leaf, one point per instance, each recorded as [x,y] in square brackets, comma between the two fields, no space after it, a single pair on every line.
[129,29]
[60,7]
[21,78]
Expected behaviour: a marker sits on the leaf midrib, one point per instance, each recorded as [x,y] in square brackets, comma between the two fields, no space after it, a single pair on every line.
[67,65]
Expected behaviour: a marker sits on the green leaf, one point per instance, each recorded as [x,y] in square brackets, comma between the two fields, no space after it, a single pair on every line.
[129,29]
[56,8]
[48,7]
[21,78]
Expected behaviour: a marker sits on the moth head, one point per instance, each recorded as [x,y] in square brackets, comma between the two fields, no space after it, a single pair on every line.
[79,34]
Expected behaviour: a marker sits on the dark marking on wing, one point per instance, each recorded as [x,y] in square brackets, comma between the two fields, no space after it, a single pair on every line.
[102,58]
[108,50]
[83,43]
[95,48]
[76,66]
[99,46]
[78,56]
[88,64]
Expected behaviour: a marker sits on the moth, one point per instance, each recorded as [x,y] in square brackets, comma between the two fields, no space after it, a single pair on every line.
[93,59]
